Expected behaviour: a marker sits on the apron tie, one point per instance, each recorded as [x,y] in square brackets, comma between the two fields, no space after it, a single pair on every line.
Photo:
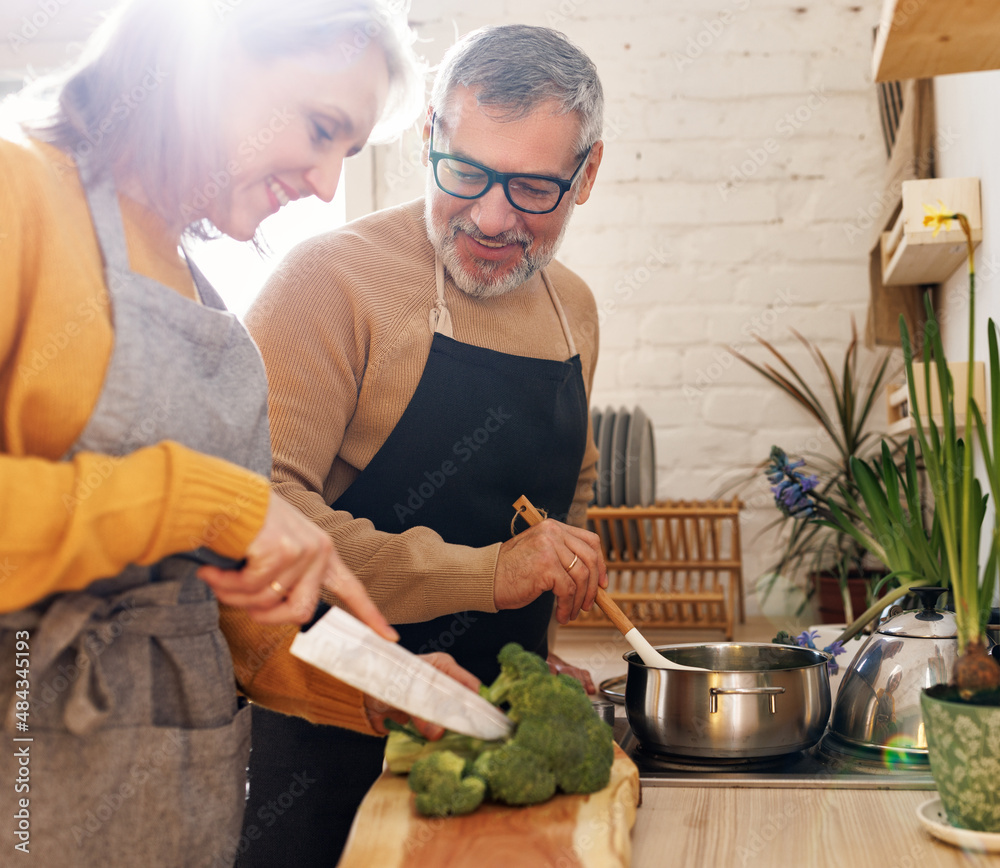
[61,627]
[440,319]
[86,625]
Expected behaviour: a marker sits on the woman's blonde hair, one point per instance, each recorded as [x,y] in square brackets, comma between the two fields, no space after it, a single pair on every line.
[144,98]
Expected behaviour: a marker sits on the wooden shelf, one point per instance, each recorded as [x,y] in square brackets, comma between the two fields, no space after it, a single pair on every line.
[918,39]
[898,397]
[911,253]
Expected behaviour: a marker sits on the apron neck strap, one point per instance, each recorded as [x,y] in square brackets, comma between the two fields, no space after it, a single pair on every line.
[106,215]
[560,312]
[102,199]
[206,292]
[440,316]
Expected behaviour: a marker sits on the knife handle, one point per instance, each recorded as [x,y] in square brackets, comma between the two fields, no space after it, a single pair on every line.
[321,609]
[208,558]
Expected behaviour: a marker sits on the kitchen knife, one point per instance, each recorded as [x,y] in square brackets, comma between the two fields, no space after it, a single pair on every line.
[346,648]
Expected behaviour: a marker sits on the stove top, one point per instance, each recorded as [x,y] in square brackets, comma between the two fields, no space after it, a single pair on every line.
[831,763]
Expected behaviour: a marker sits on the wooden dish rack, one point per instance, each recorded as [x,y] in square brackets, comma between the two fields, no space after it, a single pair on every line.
[675,564]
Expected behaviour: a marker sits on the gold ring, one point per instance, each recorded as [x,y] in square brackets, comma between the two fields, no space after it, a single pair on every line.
[276,587]
[570,567]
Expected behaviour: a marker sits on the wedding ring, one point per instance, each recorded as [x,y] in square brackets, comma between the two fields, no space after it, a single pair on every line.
[276,587]
[569,569]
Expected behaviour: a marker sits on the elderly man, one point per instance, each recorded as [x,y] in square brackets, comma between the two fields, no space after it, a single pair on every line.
[427,365]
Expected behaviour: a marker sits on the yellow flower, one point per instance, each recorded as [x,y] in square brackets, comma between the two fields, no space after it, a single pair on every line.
[940,217]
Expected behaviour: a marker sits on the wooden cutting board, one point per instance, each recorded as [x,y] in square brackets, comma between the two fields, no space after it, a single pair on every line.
[568,831]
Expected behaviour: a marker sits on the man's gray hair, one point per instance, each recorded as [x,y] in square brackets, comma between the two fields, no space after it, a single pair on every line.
[515,67]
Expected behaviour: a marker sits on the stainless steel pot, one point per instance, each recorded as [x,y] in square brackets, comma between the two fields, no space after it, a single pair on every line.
[756,700]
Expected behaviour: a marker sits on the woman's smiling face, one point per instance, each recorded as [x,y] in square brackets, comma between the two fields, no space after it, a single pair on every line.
[289,125]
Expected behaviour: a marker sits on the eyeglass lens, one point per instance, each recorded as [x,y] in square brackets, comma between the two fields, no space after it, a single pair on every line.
[462,179]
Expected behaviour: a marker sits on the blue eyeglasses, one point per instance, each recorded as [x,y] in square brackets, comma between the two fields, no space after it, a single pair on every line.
[467,179]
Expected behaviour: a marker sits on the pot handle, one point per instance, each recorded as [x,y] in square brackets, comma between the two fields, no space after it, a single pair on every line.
[770,692]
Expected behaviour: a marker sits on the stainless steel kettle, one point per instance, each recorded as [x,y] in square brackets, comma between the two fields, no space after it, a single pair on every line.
[878,706]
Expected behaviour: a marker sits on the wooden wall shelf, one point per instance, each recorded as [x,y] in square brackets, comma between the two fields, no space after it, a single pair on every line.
[920,39]
[898,396]
[911,253]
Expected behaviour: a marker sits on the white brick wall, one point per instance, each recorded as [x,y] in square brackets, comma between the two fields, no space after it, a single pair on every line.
[742,141]
[742,168]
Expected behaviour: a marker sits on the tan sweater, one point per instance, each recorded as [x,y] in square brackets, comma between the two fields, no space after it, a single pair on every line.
[343,328]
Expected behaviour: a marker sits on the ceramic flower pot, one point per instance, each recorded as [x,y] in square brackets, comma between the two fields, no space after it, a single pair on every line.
[831,598]
[963,745]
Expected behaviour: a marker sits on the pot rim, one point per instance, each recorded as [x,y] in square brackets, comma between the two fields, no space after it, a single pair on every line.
[822,657]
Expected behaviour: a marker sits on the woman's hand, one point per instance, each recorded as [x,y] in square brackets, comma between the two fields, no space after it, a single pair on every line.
[286,565]
[378,711]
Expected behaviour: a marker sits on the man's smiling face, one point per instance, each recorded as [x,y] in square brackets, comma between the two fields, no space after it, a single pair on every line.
[488,246]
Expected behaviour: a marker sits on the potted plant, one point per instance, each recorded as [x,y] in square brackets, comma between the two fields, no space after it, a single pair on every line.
[957,547]
[842,403]
[962,719]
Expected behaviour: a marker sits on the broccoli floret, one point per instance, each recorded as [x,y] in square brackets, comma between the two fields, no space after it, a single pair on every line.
[587,758]
[515,665]
[579,750]
[515,776]
[405,746]
[442,788]
[548,695]
[557,743]
[574,683]
[557,722]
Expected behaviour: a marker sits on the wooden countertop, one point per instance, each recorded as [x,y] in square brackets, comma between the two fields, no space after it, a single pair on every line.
[763,828]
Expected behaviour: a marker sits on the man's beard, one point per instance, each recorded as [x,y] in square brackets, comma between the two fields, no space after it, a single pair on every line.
[490,279]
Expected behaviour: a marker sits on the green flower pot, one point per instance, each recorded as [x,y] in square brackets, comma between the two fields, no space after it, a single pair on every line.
[963,746]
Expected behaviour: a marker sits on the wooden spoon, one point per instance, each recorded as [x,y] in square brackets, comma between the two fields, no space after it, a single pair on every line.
[647,653]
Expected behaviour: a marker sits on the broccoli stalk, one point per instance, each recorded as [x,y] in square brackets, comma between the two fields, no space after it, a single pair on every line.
[405,746]
[442,788]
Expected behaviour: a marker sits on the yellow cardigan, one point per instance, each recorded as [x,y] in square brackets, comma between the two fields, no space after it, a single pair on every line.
[65,524]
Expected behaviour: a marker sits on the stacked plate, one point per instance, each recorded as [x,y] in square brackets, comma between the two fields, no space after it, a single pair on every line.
[626,465]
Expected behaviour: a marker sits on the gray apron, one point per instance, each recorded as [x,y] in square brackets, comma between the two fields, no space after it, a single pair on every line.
[137,747]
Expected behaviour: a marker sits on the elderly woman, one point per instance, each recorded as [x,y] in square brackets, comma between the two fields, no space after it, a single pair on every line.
[134,447]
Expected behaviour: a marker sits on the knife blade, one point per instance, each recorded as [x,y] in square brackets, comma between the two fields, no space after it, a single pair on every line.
[341,645]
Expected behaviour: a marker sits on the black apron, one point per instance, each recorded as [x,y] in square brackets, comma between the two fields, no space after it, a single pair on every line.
[482,428]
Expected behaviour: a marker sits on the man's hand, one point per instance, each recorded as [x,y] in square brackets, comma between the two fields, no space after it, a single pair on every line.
[559,666]
[550,556]
[378,711]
